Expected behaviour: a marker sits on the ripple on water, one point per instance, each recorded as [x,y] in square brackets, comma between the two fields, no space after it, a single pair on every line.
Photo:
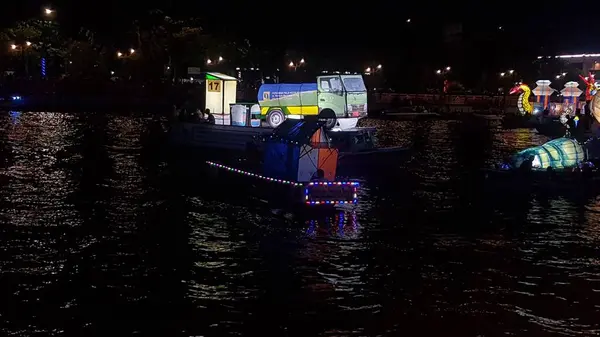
[94,232]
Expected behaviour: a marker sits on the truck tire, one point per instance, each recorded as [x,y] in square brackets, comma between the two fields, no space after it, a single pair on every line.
[275,118]
[329,117]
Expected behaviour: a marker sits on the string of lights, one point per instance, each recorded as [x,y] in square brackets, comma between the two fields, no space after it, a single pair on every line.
[308,197]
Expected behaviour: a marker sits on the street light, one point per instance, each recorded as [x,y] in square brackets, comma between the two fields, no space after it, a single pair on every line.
[13,46]
[511,71]
[370,70]
[131,51]
[48,11]
[296,65]
[119,54]
[443,71]
[28,43]
[219,60]
[502,74]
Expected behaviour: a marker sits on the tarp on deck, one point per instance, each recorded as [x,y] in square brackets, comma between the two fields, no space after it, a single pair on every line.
[559,153]
[297,149]
[297,130]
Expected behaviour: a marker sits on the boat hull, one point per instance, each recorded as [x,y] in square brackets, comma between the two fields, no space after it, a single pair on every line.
[518,122]
[277,194]
[558,181]
[370,161]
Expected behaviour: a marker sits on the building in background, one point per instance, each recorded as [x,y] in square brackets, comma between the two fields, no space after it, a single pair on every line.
[580,62]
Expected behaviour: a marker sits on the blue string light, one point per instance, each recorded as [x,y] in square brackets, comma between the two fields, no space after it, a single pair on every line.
[43,66]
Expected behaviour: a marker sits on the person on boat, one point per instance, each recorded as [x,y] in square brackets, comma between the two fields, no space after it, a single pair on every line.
[527,165]
[210,118]
[319,175]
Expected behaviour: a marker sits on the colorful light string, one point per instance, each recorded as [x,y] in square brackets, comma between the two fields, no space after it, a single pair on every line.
[228,168]
[354,185]
[332,202]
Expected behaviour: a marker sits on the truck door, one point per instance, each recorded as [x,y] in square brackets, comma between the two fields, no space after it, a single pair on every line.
[331,95]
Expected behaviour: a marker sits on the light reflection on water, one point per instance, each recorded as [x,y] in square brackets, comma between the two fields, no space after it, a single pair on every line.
[98,229]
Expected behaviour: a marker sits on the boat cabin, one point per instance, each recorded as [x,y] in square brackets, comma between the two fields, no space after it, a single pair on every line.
[354,140]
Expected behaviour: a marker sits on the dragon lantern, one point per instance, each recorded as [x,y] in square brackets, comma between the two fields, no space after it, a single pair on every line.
[523,101]
[591,87]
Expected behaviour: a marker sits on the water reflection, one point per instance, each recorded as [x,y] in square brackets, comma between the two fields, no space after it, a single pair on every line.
[100,239]
[342,224]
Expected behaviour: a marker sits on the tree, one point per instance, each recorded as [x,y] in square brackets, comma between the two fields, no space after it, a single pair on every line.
[33,39]
[182,43]
[86,57]
[163,40]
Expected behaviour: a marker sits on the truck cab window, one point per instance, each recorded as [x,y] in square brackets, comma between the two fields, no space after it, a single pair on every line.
[336,84]
[325,86]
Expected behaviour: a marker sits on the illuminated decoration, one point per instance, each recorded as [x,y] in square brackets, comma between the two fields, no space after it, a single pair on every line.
[571,93]
[43,67]
[542,92]
[228,168]
[295,154]
[297,149]
[591,86]
[219,92]
[329,193]
[558,153]
[523,101]
[315,193]
[595,108]
[342,95]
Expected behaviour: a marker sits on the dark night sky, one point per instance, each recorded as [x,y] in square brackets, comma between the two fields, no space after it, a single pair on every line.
[375,29]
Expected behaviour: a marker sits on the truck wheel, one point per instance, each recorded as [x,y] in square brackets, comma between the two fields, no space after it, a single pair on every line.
[329,117]
[275,118]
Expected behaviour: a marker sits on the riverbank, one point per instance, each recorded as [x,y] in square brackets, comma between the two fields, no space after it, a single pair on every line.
[77,103]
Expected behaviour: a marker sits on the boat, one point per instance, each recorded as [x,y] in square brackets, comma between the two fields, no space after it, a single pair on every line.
[295,165]
[551,127]
[487,116]
[221,137]
[514,121]
[561,163]
[408,113]
[359,150]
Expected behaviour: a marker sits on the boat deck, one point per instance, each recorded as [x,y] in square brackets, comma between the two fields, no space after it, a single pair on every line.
[216,136]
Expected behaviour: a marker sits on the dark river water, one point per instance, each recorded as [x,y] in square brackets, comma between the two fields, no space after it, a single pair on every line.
[102,236]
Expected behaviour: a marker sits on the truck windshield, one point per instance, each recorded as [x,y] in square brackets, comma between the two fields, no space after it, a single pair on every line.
[354,84]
